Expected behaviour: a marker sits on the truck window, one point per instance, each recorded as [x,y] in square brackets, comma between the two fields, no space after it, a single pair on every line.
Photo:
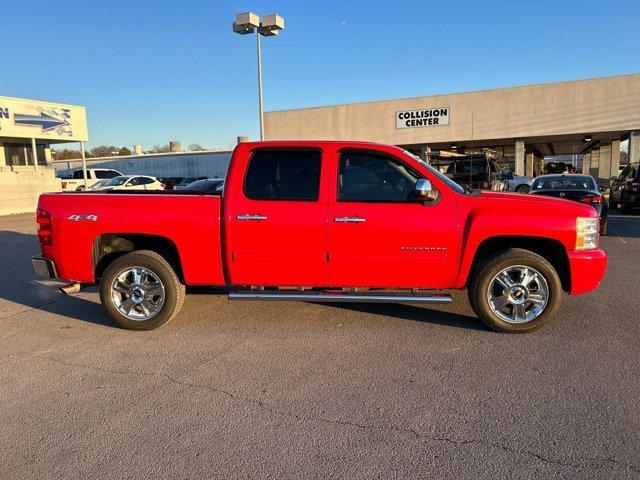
[372,177]
[476,166]
[283,175]
[106,173]
[77,174]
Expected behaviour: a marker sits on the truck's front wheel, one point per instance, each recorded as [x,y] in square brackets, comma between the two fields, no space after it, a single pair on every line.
[515,292]
[140,291]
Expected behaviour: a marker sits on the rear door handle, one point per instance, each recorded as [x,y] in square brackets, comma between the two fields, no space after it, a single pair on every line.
[350,219]
[257,218]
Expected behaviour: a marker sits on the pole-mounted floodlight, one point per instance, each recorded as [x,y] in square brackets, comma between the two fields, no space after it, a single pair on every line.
[246,23]
[269,26]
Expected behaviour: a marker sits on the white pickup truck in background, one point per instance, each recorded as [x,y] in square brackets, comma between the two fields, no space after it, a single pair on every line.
[76,181]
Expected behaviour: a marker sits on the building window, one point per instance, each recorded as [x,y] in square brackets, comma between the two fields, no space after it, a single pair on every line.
[20,154]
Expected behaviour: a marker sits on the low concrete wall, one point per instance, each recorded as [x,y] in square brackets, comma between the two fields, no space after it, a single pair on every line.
[20,188]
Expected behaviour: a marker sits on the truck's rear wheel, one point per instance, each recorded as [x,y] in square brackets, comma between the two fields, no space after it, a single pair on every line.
[140,291]
[517,291]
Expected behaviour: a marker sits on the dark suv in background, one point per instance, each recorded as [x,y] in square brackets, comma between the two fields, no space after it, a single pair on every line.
[476,172]
[625,189]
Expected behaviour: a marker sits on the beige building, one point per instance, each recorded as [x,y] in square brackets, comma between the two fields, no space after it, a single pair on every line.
[28,128]
[585,119]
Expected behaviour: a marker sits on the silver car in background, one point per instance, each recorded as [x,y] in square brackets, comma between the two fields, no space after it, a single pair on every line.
[516,183]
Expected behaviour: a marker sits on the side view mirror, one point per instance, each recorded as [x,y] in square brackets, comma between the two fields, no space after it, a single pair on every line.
[613,179]
[424,191]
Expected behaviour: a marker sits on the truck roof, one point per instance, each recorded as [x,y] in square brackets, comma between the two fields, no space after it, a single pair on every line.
[303,143]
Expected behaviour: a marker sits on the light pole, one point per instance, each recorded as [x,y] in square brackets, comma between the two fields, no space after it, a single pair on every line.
[269,25]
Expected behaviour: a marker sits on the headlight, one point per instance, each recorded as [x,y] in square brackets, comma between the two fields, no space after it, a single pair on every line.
[586,233]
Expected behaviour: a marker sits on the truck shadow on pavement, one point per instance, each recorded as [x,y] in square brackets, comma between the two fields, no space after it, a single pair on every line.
[415,314]
[398,311]
[20,285]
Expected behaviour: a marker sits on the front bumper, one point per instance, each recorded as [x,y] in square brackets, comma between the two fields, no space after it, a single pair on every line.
[44,267]
[587,270]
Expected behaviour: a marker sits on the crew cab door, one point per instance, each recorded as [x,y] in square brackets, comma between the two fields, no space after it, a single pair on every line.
[379,234]
[277,219]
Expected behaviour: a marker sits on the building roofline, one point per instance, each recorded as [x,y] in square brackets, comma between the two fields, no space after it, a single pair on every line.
[43,101]
[466,92]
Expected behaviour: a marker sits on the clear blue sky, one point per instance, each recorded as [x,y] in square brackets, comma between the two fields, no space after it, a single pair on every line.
[152,71]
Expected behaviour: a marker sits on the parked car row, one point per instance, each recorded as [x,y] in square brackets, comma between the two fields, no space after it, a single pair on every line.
[178,183]
[101,179]
[129,182]
[516,183]
[579,188]
[192,183]
[75,182]
[210,184]
[625,189]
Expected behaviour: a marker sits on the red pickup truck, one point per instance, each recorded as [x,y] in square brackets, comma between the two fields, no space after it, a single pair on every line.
[323,222]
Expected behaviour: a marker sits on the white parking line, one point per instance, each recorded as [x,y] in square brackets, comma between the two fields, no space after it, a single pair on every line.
[618,235]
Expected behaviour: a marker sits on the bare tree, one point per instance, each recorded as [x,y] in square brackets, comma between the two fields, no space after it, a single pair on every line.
[160,149]
[67,154]
[196,147]
[102,151]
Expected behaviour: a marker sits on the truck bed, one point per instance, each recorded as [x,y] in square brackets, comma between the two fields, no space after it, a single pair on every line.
[190,221]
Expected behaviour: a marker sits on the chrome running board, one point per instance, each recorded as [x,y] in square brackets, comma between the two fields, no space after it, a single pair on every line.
[336,297]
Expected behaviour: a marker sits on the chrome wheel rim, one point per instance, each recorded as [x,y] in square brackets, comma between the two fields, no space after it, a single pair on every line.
[518,294]
[137,293]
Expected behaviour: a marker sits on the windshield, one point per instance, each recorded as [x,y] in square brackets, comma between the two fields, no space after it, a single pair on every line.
[564,182]
[477,166]
[450,183]
[187,181]
[116,181]
[203,185]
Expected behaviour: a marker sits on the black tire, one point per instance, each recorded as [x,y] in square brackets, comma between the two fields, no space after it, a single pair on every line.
[603,228]
[522,189]
[174,291]
[80,188]
[483,275]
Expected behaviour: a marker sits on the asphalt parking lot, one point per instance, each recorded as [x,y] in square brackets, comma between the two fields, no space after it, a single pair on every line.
[290,390]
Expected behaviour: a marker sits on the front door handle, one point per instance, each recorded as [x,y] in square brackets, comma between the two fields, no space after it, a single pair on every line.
[257,218]
[350,219]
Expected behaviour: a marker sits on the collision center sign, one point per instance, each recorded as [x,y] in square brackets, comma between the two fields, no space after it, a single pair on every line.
[428,117]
